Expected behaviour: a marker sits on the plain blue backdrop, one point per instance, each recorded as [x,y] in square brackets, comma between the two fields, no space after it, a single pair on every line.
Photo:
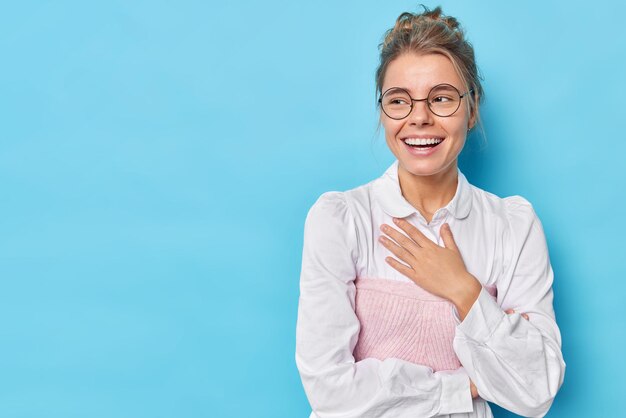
[158,159]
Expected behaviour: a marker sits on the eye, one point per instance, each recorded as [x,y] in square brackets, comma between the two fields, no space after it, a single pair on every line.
[441,99]
[398,101]
[397,98]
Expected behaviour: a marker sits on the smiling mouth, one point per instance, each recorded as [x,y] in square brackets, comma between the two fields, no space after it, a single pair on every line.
[423,143]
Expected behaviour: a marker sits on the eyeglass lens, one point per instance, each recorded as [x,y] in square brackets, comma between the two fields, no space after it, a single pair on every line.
[443,100]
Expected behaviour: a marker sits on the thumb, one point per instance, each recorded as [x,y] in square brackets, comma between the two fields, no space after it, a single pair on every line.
[448,239]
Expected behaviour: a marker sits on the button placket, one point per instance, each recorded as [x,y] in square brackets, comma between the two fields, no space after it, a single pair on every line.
[431,232]
[438,220]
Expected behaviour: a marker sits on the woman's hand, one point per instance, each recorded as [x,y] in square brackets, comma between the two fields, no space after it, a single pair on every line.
[439,270]
[510,311]
[473,389]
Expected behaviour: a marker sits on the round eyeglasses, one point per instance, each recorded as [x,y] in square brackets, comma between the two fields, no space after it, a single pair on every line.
[443,100]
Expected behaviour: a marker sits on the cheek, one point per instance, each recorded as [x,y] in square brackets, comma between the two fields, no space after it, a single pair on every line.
[460,136]
[391,128]
[459,131]
[458,127]
[391,137]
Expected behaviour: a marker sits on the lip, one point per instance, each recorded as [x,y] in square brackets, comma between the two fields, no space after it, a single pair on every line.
[422,152]
[421,136]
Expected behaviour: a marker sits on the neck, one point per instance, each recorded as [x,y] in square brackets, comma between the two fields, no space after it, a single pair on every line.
[428,193]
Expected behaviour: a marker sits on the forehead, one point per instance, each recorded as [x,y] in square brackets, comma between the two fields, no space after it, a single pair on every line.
[419,72]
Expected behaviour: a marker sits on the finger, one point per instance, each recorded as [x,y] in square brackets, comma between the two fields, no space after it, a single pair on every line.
[510,311]
[405,270]
[413,232]
[397,250]
[400,238]
[448,238]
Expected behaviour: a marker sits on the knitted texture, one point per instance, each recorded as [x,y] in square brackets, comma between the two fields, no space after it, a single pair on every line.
[402,320]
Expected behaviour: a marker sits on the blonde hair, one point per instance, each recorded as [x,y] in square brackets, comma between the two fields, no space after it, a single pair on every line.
[432,32]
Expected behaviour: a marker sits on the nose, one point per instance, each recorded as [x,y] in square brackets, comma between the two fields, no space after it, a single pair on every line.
[420,114]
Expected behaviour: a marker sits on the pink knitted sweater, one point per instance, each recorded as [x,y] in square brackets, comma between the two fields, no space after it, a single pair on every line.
[402,320]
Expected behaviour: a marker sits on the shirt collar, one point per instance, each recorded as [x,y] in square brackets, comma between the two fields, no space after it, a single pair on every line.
[388,193]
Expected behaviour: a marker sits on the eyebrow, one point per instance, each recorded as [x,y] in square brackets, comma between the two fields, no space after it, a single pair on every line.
[431,87]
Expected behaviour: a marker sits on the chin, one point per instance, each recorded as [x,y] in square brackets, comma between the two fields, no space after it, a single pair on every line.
[426,168]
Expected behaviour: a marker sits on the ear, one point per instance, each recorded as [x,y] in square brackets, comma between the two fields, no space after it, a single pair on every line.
[473,113]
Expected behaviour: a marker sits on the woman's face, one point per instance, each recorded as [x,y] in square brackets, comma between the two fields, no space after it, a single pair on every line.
[418,73]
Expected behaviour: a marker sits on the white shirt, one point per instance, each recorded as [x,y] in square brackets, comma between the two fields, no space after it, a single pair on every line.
[514,362]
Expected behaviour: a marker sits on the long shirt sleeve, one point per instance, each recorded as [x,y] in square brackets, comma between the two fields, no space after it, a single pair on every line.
[328,328]
[514,362]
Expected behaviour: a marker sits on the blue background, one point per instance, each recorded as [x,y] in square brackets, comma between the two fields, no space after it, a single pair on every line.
[157,160]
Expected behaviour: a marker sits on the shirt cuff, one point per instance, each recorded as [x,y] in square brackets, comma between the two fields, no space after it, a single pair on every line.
[456,396]
[482,318]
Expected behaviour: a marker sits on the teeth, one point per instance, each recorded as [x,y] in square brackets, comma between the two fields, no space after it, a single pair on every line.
[425,141]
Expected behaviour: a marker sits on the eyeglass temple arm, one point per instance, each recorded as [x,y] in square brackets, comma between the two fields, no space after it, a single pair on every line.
[466,93]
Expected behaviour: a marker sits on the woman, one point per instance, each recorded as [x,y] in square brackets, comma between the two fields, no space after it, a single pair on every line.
[420,294]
